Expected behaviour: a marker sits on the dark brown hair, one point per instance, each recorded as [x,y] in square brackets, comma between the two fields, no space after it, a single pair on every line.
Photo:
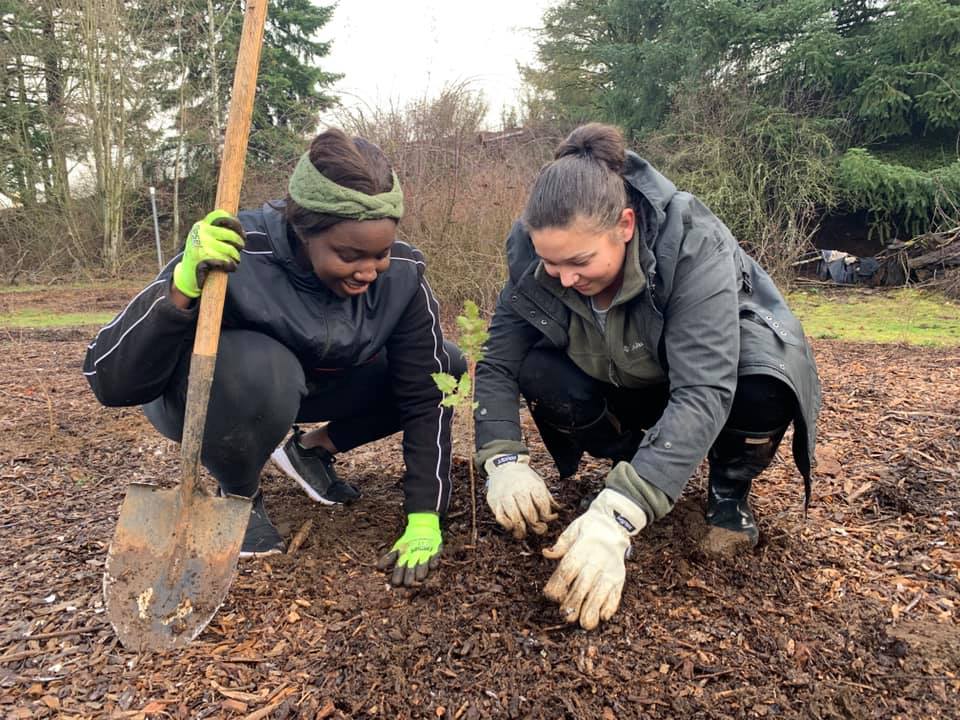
[354,163]
[585,180]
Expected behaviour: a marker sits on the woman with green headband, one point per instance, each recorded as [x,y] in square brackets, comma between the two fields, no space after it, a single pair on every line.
[327,318]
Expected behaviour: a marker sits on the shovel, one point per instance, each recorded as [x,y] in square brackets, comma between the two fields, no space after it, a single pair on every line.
[174,552]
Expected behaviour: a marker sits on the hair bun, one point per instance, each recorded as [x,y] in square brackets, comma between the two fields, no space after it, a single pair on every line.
[595,141]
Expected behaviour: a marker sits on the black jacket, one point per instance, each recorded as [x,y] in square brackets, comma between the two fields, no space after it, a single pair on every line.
[132,359]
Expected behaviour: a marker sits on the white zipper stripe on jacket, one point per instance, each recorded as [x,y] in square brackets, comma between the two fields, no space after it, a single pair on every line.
[415,262]
[443,348]
[428,293]
[437,343]
[248,233]
[119,317]
[125,333]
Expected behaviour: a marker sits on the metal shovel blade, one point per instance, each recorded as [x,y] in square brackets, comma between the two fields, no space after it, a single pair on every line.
[170,564]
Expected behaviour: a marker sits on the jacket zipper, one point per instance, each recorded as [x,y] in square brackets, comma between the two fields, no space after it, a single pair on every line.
[611,368]
[610,372]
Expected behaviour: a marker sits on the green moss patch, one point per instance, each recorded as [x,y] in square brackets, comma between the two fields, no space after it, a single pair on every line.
[894,316]
[41,319]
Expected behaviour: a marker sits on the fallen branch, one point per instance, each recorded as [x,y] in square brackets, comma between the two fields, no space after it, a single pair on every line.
[267,709]
[947,254]
[300,537]
[65,633]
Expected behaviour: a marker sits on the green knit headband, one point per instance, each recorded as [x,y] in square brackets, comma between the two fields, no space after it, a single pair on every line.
[313,190]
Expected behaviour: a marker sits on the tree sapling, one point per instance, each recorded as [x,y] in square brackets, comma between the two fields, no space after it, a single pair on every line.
[460,392]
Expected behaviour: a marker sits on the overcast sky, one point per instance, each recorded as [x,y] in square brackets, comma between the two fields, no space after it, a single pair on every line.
[398,51]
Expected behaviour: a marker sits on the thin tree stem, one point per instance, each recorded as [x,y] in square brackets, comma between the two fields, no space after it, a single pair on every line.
[472,369]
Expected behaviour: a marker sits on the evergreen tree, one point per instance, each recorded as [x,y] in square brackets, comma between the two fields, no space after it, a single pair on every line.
[905,81]
[888,67]
[35,135]
[753,103]
[291,86]
[133,92]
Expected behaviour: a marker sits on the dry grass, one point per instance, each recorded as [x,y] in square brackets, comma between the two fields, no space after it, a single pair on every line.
[461,195]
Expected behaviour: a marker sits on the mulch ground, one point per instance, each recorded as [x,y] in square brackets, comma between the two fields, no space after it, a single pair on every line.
[68,300]
[850,612]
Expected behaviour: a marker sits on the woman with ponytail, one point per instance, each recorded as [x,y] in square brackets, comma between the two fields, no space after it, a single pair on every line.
[638,330]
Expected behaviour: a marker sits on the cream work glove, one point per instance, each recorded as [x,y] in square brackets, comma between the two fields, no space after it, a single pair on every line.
[588,582]
[517,495]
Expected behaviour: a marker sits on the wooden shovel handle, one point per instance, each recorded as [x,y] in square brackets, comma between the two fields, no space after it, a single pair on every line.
[204,357]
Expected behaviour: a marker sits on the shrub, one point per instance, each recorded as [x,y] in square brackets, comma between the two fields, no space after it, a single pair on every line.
[767,174]
[900,198]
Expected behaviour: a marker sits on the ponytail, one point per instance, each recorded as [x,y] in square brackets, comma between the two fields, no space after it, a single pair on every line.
[584,181]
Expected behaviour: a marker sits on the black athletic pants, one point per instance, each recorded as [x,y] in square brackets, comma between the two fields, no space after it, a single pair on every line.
[569,408]
[260,389]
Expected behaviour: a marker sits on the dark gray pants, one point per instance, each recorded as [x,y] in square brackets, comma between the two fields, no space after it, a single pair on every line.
[260,389]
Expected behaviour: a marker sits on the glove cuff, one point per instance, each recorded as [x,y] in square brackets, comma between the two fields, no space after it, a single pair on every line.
[183,284]
[627,514]
[502,459]
[494,448]
[652,500]
[427,520]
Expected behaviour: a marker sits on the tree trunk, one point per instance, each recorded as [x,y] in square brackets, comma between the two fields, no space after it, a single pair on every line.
[53,80]
[181,129]
[26,175]
[104,75]
[215,128]
[58,182]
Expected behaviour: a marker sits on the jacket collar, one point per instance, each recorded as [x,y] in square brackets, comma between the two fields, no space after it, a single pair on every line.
[654,188]
[651,193]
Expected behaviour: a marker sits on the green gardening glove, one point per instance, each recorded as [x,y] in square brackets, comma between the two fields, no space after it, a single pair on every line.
[417,552]
[214,242]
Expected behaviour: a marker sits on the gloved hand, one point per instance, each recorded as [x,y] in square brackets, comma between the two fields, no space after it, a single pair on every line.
[417,552]
[213,242]
[590,577]
[517,495]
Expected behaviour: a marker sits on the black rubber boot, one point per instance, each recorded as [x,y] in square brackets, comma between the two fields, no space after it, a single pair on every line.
[736,458]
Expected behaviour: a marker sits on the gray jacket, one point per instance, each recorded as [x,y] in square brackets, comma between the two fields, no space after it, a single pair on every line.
[708,313]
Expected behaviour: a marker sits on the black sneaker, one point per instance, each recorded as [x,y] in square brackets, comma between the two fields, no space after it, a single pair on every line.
[261,537]
[312,469]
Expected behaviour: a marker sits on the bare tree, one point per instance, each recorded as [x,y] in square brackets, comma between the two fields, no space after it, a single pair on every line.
[116,72]
[103,76]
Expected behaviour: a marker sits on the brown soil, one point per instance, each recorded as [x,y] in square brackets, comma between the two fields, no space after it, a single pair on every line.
[725,543]
[850,612]
[69,300]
